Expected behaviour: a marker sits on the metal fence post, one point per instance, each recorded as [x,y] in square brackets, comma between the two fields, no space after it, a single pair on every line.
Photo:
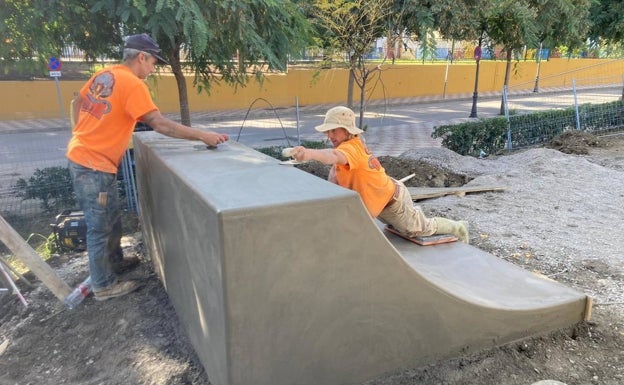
[576,106]
[297,113]
[128,180]
[506,108]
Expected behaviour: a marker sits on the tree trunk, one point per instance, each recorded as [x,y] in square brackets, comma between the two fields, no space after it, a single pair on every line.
[363,98]
[350,88]
[176,68]
[506,83]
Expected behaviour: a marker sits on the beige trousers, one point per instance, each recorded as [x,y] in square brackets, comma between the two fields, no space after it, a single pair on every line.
[406,218]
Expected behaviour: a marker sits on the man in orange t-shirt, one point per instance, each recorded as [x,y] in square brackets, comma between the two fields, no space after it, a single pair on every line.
[105,112]
[355,168]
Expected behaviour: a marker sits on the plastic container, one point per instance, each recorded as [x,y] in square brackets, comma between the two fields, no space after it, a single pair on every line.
[81,292]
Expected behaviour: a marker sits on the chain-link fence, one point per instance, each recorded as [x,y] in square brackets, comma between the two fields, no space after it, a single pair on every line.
[35,185]
[523,118]
[596,110]
[36,192]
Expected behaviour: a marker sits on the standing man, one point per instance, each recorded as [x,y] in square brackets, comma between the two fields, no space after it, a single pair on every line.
[106,111]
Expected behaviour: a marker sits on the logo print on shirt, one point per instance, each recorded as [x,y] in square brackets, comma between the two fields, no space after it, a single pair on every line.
[373,163]
[100,89]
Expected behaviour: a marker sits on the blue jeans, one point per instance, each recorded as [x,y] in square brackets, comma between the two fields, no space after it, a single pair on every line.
[98,198]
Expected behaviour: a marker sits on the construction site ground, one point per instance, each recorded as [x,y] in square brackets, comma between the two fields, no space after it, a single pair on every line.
[560,215]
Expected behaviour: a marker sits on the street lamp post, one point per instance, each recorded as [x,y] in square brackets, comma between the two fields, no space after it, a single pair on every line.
[475,94]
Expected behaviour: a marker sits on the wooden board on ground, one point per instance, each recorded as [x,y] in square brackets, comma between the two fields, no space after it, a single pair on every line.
[32,260]
[419,193]
[425,241]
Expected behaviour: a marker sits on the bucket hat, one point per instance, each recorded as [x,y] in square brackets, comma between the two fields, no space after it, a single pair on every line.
[339,117]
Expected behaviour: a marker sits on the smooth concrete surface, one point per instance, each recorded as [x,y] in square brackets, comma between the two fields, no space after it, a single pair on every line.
[280,277]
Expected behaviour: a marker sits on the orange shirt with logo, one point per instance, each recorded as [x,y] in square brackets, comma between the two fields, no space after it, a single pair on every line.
[365,175]
[114,99]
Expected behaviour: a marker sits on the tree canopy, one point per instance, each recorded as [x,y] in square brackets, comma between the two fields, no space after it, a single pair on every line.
[353,27]
[607,21]
[219,40]
[209,35]
[236,40]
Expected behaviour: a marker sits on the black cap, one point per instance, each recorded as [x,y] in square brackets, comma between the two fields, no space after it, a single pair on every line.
[144,42]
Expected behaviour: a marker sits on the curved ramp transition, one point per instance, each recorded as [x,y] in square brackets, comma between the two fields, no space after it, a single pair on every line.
[280,277]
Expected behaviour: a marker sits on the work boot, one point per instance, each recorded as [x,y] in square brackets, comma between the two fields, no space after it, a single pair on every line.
[125,265]
[457,228]
[116,289]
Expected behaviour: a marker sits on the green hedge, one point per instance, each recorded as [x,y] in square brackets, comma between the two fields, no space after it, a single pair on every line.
[470,138]
[52,185]
[490,135]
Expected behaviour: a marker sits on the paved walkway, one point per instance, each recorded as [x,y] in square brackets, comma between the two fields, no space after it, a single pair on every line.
[381,140]
[402,138]
[389,142]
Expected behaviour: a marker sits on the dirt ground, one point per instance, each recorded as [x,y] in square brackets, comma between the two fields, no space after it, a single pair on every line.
[562,215]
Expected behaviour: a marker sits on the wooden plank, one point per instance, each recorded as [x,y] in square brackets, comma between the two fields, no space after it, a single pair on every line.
[419,193]
[32,260]
[429,240]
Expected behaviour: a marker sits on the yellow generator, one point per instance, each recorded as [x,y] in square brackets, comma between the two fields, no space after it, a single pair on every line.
[70,231]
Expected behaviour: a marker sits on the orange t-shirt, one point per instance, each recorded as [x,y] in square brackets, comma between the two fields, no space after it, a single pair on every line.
[365,175]
[114,99]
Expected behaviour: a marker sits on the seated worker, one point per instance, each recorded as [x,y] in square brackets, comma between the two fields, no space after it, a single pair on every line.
[355,168]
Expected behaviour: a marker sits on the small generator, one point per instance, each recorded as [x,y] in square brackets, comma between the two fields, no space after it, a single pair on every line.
[70,231]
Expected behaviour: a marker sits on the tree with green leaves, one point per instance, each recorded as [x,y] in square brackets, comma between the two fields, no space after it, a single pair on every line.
[512,24]
[561,22]
[206,36]
[353,27]
[608,20]
[35,30]
[412,19]
[200,36]
[466,20]
[420,19]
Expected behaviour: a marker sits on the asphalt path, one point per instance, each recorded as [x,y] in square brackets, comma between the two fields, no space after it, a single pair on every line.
[266,127]
[27,145]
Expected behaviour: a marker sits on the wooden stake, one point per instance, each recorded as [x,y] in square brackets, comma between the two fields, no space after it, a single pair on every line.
[405,179]
[588,308]
[32,260]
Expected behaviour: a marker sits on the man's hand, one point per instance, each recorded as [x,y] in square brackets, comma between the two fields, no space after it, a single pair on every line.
[298,153]
[213,139]
[173,129]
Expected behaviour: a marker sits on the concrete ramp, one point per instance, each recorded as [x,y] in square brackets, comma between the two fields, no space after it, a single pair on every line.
[280,277]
